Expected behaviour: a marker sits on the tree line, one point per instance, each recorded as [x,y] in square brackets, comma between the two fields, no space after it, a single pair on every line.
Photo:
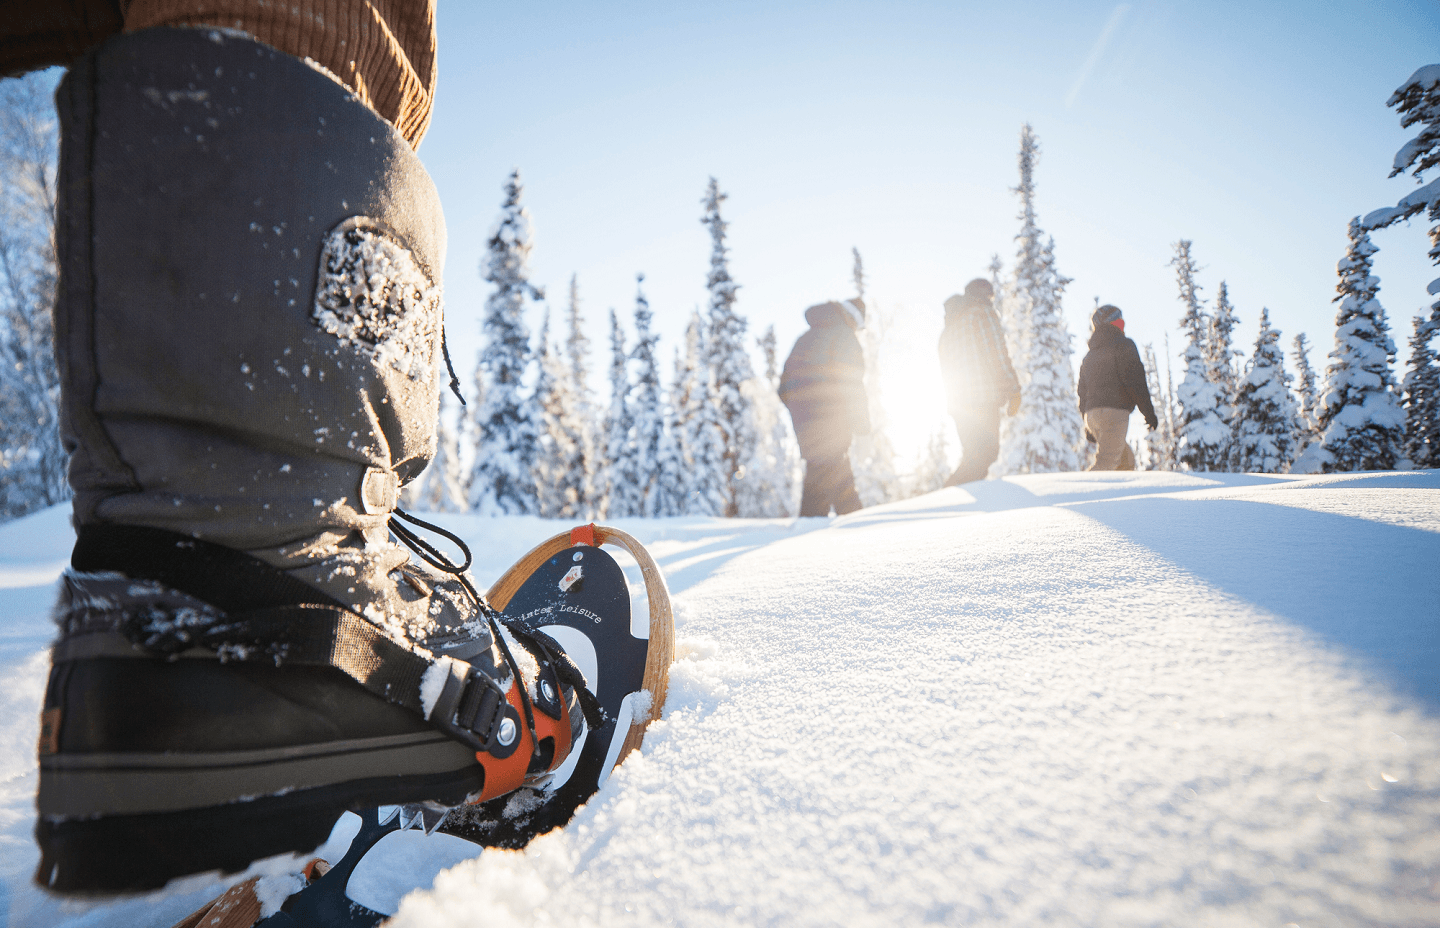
[709,436]
[709,439]
[1359,415]
[32,463]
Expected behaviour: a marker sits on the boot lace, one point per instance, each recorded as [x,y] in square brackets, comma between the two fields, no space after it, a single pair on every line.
[437,559]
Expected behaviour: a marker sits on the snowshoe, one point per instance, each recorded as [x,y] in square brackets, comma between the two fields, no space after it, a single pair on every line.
[569,591]
[205,709]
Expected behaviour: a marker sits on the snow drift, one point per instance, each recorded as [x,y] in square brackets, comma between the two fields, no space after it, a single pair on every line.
[1072,699]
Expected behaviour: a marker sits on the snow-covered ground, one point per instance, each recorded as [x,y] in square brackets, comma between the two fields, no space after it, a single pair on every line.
[1138,699]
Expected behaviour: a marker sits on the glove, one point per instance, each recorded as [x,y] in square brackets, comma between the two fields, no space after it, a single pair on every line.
[1014,405]
[1090,438]
[1152,423]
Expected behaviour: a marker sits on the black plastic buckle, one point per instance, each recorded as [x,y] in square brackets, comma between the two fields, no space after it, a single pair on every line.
[472,708]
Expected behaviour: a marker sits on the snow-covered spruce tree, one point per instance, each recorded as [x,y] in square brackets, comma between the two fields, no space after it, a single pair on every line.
[623,492]
[1362,426]
[1305,391]
[501,481]
[1047,434]
[1220,357]
[1421,391]
[1159,444]
[1265,412]
[1220,352]
[698,439]
[872,456]
[670,494]
[647,407]
[1203,433]
[1172,408]
[773,475]
[727,358]
[934,465]
[581,418]
[1418,103]
[32,461]
[441,485]
[1005,304]
[558,494]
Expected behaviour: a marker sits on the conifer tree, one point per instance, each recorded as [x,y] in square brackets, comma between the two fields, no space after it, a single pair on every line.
[1361,423]
[1005,306]
[726,357]
[1203,433]
[872,456]
[1265,412]
[32,460]
[1421,391]
[1172,408]
[1418,103]
[1220,353]
[558,493]
[934,466]
[670,494]
[1305,392]
[441,485]
[1160,443]
[581,417]
[673,490]
[698,438]
[1047,433]
[648,409]
[501,480]
[1220,367]
[773,475]
[623,492]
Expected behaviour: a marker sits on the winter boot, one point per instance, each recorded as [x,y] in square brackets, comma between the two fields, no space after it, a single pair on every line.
[249,335]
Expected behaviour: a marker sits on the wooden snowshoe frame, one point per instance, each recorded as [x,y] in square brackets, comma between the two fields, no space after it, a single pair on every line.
[661,652]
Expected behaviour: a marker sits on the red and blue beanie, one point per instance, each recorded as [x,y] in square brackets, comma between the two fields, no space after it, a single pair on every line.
[1108,314]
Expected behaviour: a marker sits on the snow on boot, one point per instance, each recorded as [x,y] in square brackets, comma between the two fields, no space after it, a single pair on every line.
[249,338]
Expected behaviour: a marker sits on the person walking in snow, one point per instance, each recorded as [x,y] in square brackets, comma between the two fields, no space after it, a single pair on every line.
[823,386]
[249,337]
[1112,383]
[979,378]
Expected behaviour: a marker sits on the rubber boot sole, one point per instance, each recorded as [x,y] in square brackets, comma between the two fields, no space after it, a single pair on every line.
[156,769]
[132,853]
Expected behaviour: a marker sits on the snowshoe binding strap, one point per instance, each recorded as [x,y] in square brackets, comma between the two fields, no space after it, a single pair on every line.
[267,614]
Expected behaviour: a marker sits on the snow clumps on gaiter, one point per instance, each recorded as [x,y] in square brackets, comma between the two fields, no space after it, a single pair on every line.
[372,291]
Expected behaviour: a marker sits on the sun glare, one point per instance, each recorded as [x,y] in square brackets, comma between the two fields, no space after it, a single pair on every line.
[912,393]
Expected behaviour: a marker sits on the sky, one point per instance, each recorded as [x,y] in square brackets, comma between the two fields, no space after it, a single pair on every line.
[1254,130]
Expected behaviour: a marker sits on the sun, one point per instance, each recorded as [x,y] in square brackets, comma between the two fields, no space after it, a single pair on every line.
[911,392]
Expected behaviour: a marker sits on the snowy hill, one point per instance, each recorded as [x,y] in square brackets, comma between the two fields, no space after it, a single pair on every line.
[1078,699]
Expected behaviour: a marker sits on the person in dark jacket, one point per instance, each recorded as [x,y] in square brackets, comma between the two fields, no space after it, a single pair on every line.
[979,378]
[1112,383]
[823,386]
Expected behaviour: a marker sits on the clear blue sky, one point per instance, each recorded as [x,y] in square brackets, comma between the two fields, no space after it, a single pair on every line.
[1255,130]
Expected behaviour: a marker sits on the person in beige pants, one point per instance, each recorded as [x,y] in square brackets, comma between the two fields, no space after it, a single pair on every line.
[1112,383]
